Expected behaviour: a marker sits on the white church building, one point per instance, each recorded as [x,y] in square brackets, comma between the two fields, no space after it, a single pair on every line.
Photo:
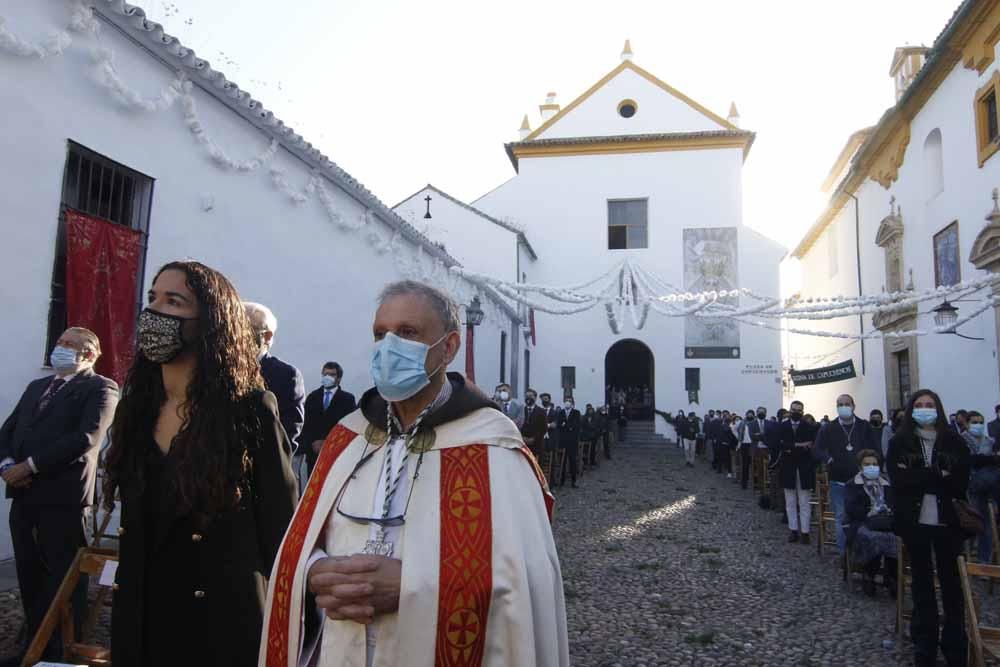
[631,169]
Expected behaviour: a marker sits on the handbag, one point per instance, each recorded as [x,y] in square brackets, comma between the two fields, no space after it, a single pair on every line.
[880,523]
[970,521]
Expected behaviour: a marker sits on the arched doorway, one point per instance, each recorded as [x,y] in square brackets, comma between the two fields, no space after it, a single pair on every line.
[628,368]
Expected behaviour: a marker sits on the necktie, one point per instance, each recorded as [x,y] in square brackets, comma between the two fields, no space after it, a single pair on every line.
[46,398]
[327,397]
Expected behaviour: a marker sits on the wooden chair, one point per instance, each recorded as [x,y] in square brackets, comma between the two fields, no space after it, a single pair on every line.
[89,561]
[983,638]
[545,463]
[820,503]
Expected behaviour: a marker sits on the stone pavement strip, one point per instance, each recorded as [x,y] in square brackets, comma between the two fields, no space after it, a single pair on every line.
[668,565]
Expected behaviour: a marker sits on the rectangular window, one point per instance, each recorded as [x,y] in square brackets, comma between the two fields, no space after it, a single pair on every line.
[627,224]
[568,377]
[103,188]
[947,260]
[987,120]
[503,356]
[903,376]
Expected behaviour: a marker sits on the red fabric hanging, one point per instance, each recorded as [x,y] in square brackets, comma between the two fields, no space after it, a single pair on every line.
[102,267]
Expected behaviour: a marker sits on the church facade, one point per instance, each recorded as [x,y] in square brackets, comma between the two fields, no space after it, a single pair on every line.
[634,170]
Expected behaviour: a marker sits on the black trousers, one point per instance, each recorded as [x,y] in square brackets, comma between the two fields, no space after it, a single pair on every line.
[607,445]
[46,539]
[746,455]
[571,454]
[946,545]
[593,452]
[724,457]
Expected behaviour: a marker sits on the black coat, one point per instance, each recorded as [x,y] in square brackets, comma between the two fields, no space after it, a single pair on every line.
[553,417]
[912,478]
[63,440]
[841,457]
[285,382]
[569,428]
[533,428]
[857,504]
[320,422]
[796,459]
[589,426]
[192,591]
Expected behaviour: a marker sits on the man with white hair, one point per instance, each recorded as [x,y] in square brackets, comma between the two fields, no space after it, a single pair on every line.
[282,379]
[48,461]
[423,537]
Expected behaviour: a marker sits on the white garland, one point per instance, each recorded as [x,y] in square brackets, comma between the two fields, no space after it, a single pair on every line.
[106,76]
[218,155]
[52,45]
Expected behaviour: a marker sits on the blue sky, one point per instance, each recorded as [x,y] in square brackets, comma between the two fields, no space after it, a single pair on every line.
[405,93]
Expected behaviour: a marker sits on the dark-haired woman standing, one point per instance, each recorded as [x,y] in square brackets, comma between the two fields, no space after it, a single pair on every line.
[928,465]
[202,466]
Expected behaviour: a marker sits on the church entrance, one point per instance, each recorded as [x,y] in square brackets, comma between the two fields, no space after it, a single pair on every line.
[628,376]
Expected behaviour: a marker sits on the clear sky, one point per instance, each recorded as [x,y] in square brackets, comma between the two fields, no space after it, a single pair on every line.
[405,93]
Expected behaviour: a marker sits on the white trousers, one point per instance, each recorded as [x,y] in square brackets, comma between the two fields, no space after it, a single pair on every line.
[797,507]
[688,450]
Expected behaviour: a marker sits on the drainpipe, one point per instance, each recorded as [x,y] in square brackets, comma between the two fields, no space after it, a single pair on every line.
[857,247]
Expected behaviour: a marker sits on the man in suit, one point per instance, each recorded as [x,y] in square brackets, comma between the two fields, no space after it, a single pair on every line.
[510,406]
[569,440]
[994,426]
[755,425]
[282,379]
[553,416]
[797,471]
[325,406]
[533,425]
[49,446]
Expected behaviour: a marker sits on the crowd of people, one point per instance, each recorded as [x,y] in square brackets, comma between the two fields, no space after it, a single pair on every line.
[259,525]
[923,477]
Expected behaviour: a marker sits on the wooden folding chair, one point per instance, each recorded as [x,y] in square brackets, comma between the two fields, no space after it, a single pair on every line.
[88,561]
[983,638]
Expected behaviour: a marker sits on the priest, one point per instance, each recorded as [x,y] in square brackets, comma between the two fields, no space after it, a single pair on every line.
[423,537]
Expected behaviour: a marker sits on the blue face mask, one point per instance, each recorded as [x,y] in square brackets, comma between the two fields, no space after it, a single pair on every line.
[328,381]
[64,359]
[925,416]
[845,411]
[978,430]
[870,472]
[399,367]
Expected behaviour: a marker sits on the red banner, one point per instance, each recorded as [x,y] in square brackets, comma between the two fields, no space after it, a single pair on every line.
[102,268]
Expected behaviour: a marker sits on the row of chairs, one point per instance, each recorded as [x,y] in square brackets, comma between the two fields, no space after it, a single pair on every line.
[552,461]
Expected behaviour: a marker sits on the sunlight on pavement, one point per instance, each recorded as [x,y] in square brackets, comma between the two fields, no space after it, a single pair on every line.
[649,519]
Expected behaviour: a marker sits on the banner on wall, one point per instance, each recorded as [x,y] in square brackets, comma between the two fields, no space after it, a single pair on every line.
[711,264]
[836,373]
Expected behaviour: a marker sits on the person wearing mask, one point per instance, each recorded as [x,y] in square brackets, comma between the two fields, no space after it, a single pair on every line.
[325,407]
[589,430]
[772,438]
[689,439]
[569,441]
[508,404]
[756,426]
[680,428]
[928,466]
[876,422]
[868,527]
[534,427]
[727,443]
[604,420]
[984,483]
[553,418]
[994,429]
[203,467]
[890,430]
[797,471]
[280,378]
[837,446]
[429,539]
[48,462]
[744,439]
[621,420]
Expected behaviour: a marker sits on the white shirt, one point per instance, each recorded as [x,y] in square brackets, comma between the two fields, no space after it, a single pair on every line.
[928,506]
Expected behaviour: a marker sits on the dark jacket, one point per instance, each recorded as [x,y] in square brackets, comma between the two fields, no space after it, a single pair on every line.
[841,457]
[63,440]
[589,426]
[857,504]
[569,428]
[285,382]
[796,459]
[193,589]
[756,430]
[553,417]
[912,478]
[533,428]
[320,422]
[993,429]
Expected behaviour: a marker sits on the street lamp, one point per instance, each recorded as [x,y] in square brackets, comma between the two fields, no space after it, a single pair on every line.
[473,318]
[946,317]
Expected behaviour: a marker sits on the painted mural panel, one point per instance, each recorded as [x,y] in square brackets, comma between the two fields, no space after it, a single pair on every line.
[711,263]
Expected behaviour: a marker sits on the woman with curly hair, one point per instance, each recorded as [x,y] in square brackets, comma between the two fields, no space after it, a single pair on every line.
[928,465]
[202,466]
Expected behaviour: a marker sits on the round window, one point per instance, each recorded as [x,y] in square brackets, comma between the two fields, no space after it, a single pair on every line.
[627,108]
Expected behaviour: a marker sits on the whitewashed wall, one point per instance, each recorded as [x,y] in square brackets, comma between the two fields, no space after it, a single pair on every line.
[562,202]
[321,282]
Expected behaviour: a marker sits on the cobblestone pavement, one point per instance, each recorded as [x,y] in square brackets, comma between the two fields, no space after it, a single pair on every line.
[668,565]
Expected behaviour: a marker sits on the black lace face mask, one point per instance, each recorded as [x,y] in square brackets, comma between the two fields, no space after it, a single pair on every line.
[159,336]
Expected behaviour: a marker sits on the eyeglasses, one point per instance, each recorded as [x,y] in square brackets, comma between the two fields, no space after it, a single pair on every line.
[383,522]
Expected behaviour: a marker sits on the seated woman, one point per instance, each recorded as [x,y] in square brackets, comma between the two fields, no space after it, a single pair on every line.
[868,498]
